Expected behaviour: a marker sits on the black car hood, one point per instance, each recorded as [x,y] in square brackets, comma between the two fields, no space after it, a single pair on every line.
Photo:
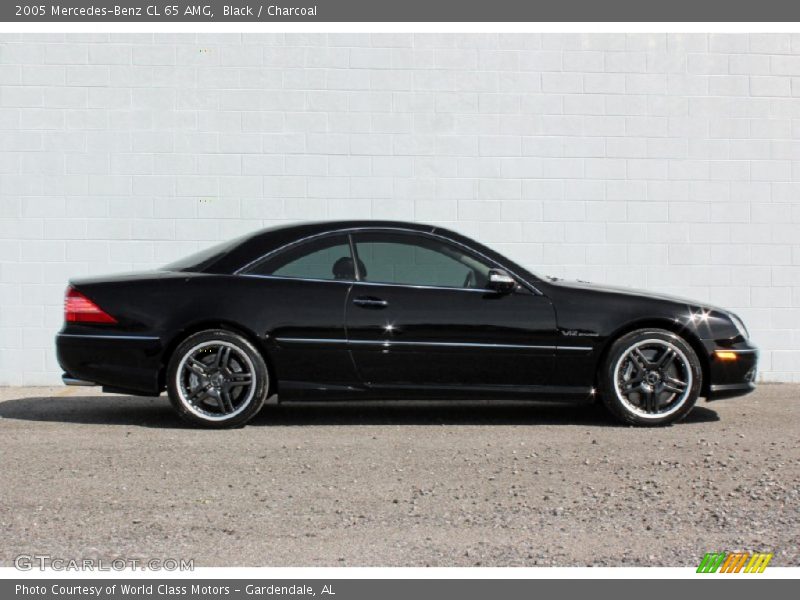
[625,291]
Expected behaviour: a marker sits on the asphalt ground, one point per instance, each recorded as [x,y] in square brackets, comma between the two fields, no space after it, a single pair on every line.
[397,484]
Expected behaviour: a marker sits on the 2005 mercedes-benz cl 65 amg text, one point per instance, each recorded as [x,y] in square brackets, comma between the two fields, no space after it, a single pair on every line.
[390,310]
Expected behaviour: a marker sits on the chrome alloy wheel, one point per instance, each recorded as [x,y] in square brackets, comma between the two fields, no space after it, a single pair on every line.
[653,378]
[216,380]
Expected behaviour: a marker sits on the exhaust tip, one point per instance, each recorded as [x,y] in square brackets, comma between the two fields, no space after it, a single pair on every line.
[69,380]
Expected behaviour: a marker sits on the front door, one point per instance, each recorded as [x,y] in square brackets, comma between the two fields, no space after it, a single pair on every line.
[420,315]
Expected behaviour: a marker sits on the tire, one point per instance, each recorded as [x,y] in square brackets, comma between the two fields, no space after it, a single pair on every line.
[217,379]
[650,377]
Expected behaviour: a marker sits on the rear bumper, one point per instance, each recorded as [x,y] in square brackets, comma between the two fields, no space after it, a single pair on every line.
[734,376]
[129,363]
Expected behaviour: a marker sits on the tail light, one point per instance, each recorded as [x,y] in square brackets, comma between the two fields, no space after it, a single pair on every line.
[79,309]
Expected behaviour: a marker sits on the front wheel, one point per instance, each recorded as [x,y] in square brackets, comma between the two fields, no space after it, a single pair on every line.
[217,378]
[651,377]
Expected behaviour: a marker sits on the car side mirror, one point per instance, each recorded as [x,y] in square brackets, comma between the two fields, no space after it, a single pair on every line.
[500,281]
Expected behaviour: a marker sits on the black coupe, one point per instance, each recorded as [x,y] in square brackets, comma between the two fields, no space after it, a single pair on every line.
[374,309]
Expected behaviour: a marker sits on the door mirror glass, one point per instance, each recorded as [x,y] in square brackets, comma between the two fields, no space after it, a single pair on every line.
[500,281]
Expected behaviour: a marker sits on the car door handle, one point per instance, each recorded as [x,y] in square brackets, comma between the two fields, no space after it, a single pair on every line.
[370,302]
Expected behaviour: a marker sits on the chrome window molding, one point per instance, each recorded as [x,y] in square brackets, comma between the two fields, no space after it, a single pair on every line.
[308,279]
[373,283]
[426,287]
[263,257]
[349,231]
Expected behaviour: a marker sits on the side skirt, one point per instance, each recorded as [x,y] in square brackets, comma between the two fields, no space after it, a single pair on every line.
[297,391]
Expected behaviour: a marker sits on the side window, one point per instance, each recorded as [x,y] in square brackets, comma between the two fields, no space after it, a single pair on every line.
[410,259]
[324,258]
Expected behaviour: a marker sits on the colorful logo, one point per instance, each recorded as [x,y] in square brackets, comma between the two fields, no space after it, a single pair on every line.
[734,562]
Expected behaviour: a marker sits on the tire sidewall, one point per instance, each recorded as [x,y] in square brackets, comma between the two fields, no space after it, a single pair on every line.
[608,389]
[261,374]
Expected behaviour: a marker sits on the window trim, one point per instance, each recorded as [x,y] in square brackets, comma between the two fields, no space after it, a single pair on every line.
[411,234]
[285,278]
[349,231]
[354,256]
[287,247]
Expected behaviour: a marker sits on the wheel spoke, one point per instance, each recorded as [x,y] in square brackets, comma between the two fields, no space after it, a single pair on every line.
[226,358]
[239,380]
[199,393]
[631,385]
[196,366]
[225,400]
[650,400]
[222,357]
[672,384]
[666,359]
[640,360]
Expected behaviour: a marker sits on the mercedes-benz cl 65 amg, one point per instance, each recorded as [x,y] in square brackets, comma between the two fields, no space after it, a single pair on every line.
[391,310]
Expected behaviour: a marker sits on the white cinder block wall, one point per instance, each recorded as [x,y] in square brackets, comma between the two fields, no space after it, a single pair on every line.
[670,162]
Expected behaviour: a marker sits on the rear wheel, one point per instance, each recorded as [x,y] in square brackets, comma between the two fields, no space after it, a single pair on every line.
[651,377]
[217,378]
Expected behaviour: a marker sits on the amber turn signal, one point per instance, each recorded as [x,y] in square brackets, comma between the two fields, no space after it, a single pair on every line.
[725,355]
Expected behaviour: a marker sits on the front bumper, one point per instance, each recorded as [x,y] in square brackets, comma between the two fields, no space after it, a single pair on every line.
[732,369]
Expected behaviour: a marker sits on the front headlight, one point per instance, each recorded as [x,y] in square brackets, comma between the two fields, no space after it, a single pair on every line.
[739,325]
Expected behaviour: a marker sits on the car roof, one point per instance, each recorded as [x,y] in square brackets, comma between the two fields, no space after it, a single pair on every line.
[314,227]
[243,251]
[259,243]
